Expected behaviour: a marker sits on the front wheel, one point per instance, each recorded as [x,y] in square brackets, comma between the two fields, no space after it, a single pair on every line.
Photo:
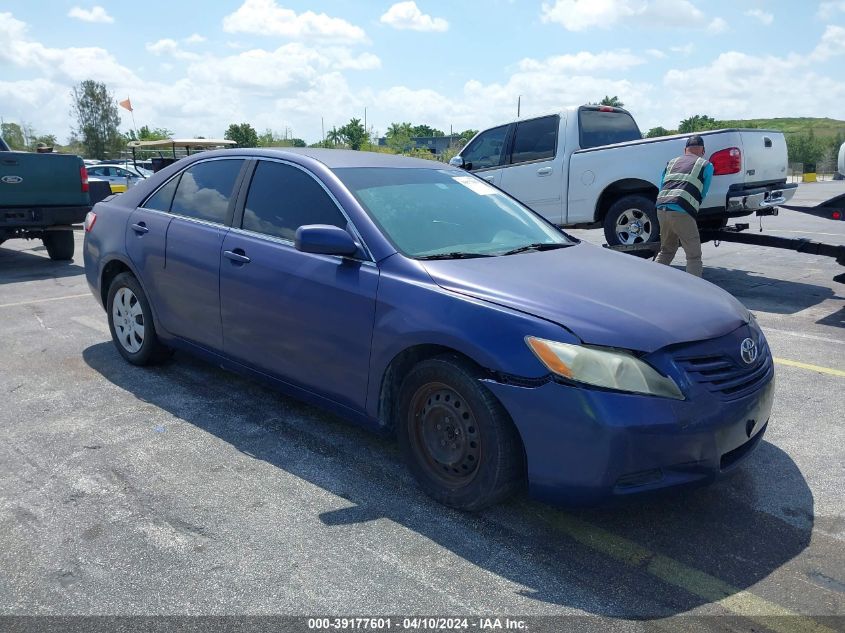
[631,220]
[59,244]
[131,322]
[457,439]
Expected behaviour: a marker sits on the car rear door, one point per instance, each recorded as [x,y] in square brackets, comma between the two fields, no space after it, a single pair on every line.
[485,154]
[304,318]
[534,173]
[187,300]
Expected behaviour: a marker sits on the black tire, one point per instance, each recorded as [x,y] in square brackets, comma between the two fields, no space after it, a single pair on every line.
[59,244]
[637,209]
[441,400]
[143,350]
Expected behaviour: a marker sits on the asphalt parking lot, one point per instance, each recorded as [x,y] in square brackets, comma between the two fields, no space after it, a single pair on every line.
[185,489]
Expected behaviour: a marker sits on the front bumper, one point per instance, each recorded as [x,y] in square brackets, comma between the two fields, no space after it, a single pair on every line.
[584,446]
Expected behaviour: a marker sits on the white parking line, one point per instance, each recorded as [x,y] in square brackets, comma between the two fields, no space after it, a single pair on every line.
[26,303]
[802,335]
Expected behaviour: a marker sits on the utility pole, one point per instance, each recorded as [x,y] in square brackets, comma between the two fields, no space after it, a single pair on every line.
[365,125]
[323,130]
[518,105]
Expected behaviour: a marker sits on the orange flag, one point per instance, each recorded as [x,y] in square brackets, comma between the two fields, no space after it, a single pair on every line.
[126,103]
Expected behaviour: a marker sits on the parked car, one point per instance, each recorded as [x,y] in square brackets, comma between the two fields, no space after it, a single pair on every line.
[41,196]
[119,178]
[590,166]
[415,298]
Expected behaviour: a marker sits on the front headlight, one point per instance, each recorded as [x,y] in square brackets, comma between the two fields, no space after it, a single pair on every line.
[611,369]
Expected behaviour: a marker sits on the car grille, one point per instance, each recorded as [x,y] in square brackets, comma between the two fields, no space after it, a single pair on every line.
[727,376]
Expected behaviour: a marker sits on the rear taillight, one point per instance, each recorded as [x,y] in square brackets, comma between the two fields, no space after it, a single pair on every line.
[606,109]
[83,177]
[90,220]
[727,161]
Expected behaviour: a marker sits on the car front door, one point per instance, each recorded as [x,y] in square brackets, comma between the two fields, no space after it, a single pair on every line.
[187,302]
[534,173]
[146,237]
[486,153]
[304,318]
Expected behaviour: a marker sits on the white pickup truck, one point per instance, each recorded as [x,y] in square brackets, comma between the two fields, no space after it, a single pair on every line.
[590,166]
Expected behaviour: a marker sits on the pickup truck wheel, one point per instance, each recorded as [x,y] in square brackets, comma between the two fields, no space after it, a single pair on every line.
[631,220]
[457,439]
[59,244]
[131,322]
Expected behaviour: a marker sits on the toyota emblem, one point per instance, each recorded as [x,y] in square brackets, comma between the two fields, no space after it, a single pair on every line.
[748,351]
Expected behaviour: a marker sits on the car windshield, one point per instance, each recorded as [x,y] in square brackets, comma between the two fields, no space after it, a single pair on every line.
[433,213]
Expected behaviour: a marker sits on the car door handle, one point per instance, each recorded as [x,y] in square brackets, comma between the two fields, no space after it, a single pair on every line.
[544,171]
[140,228]
[237,256]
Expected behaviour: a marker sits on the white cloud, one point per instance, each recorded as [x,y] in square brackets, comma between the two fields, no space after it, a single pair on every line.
[584,62]
[170,48]
[717,25]
[266,17]
[580,15]
[832,44]
[763,16]
[655,53]
[828,10]
[685,50]
[94,14]
[196,38]
[407,15]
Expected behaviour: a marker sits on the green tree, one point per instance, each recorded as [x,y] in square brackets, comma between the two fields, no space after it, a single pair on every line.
[97,119]
[298,142]
[426,130]
[611,101]
[657,131]
[698,123]
[398,137]
[354,134]
[804,148]
[14,136]
[156,134]
[334,137]
[243,134]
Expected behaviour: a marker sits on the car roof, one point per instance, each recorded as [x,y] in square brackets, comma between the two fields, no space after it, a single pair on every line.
[340,158]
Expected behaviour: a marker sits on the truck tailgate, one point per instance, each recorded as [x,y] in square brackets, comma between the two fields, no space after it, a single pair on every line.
[764,155]
[41,180]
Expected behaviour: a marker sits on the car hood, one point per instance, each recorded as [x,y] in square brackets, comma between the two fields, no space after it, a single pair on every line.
[603,297]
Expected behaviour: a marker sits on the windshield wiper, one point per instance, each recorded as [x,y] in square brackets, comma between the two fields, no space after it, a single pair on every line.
[545,246]
[454,255]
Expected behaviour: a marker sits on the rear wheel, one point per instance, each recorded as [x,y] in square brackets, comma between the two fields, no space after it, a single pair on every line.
[457,439]
[631,220]
[59,244]
[131,322]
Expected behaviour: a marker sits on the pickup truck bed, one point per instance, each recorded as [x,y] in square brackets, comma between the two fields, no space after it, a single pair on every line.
[41,196]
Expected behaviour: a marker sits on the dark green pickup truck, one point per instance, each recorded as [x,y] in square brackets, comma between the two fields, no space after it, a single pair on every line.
[41,196]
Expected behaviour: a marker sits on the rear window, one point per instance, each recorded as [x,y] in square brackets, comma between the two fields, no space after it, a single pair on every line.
[605,128]
[535,139]
[205,190]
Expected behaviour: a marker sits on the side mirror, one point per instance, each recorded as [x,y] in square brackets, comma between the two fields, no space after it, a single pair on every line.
[325,239]
[458,161]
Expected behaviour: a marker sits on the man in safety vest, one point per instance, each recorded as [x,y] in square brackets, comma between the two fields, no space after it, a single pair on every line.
[683,186]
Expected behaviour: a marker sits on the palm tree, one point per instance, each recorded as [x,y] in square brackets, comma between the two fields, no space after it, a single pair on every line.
[612,101]
[334,136]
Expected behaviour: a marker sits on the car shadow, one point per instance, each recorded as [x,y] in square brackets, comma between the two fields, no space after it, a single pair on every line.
[17,266]
[597,560]
[758,292]
[836,319]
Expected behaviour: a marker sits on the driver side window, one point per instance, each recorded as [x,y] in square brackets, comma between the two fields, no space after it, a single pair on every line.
[487,150]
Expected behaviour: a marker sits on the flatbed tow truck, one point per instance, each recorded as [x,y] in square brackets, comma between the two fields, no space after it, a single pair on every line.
[833,209]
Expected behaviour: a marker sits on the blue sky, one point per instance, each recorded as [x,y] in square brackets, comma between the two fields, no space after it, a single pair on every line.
[283,64]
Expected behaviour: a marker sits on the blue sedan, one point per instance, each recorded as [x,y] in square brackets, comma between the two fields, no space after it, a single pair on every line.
[416,299]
